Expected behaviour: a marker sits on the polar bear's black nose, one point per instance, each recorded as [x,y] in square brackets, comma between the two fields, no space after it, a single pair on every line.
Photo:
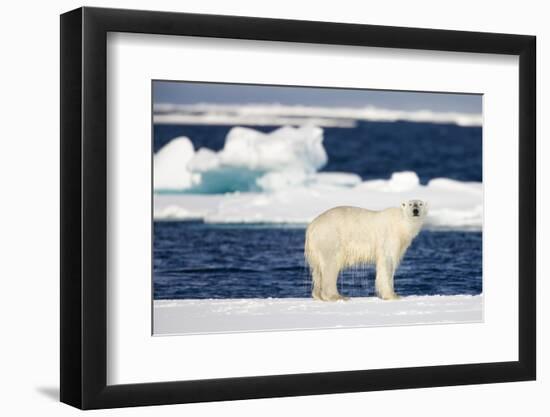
[415,212]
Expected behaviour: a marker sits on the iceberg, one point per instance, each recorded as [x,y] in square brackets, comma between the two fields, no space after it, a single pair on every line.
[249,161]
[283,149]
[170,164]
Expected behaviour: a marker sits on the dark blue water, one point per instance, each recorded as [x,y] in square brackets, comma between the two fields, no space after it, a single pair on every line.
[195,260]
[373,150]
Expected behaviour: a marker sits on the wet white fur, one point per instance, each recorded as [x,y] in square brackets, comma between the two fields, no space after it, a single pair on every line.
[346,236]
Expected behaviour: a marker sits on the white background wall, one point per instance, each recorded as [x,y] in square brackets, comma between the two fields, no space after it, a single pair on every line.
[29,225]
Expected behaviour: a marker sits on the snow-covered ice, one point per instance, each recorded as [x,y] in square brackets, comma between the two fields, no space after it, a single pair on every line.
[452,204]
[173,317]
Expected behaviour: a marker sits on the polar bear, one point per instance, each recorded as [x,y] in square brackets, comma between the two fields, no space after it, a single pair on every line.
[345,236]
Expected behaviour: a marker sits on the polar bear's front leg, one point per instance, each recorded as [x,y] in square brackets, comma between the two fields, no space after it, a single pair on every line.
[385,269]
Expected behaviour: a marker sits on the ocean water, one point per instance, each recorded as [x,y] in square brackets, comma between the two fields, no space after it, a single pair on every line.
[193,260]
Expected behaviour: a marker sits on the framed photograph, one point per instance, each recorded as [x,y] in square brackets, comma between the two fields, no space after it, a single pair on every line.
[257,208]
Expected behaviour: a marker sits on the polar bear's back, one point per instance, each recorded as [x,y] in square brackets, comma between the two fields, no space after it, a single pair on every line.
[354,218]
[352,234]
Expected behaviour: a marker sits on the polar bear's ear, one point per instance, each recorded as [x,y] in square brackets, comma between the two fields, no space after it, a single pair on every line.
[403,204]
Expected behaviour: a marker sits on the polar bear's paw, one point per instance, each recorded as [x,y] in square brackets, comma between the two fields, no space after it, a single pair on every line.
[335,297]
[316,295]
[392,296]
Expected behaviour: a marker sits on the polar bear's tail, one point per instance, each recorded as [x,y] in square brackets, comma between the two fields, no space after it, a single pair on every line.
[313,261]
[308,252]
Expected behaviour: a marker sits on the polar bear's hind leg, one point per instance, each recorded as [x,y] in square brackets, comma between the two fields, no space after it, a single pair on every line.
[316,277]
[329,279]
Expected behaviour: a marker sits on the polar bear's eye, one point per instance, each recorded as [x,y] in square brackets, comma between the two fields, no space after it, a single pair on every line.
[410,204]
[420,204]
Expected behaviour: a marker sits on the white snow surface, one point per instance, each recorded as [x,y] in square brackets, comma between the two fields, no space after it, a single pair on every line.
[178,317]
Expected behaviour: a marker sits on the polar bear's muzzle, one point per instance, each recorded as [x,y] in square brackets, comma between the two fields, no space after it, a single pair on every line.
[416,212]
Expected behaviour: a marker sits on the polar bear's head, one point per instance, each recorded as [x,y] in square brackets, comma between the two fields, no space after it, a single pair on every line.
[415,209]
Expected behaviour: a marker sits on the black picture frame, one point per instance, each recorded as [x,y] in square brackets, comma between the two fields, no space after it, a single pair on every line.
[84,207]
